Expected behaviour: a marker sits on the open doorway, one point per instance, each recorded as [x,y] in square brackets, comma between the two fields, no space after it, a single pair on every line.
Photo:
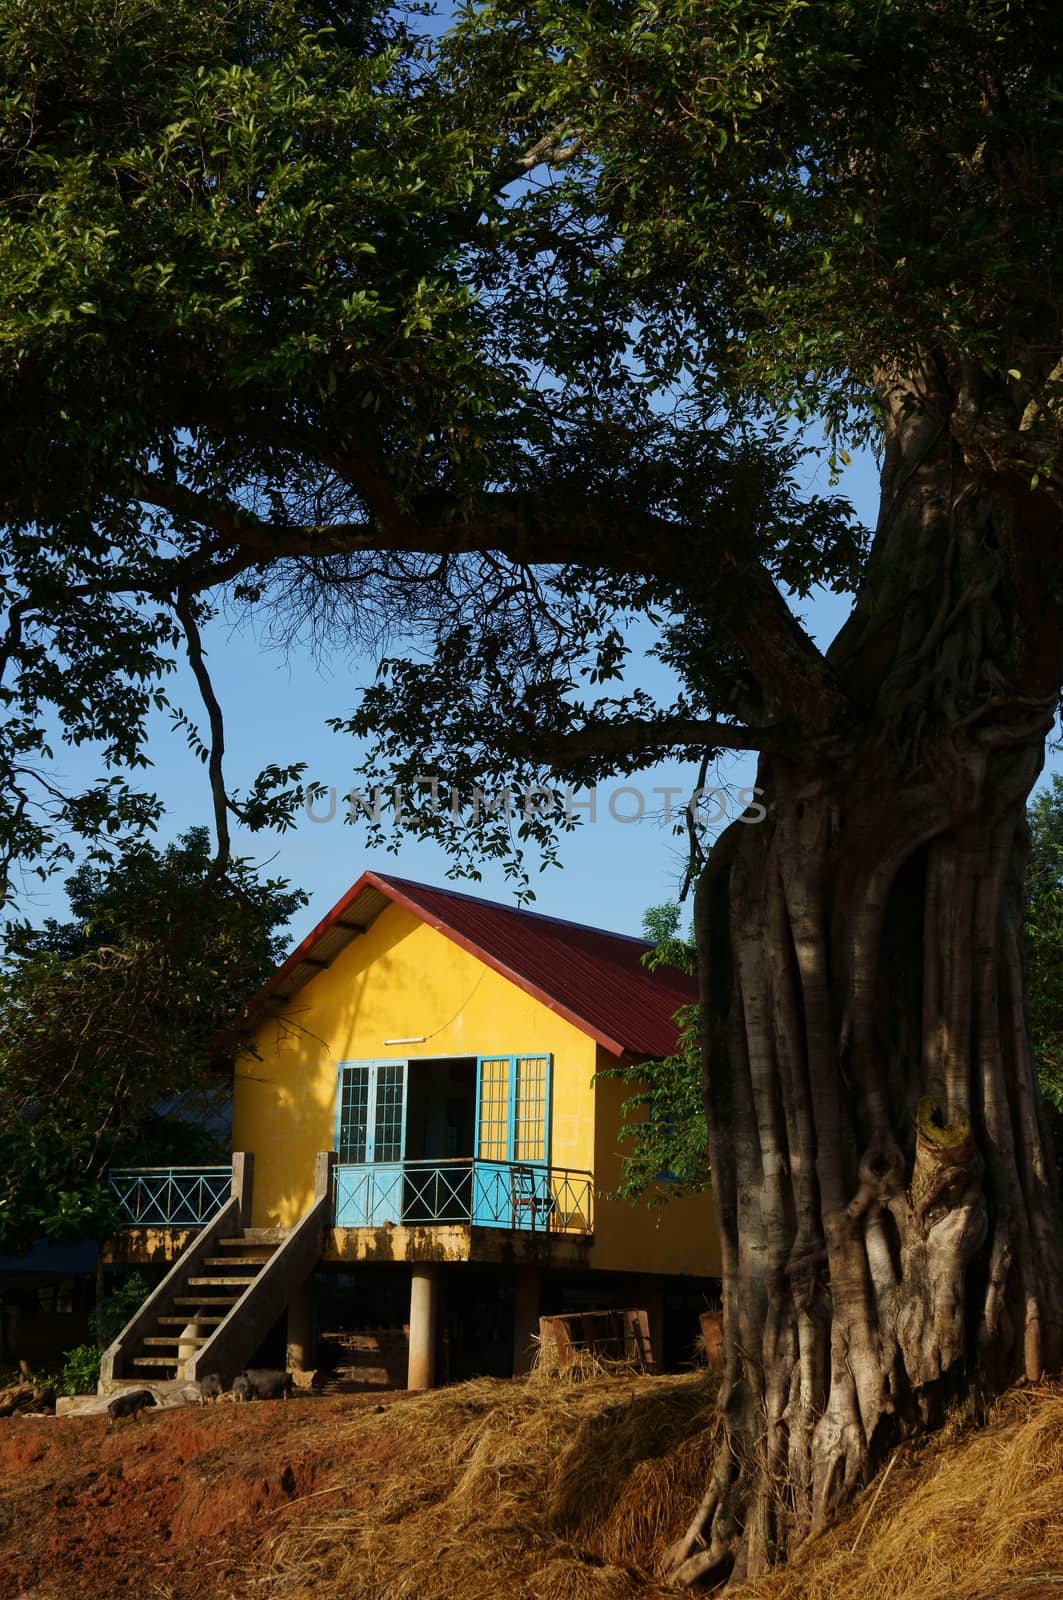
[441,1109]
[440,1133]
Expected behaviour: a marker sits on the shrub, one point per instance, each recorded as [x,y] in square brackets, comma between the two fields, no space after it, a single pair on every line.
[81,1369]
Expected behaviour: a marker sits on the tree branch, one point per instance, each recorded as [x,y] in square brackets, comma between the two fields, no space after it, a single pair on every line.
[650,734]
[795,676]
[186,617]
[553,149]
[554,528]
[360,468]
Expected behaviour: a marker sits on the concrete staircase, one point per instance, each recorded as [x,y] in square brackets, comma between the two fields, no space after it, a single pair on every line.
[221,1282]
[224,1293]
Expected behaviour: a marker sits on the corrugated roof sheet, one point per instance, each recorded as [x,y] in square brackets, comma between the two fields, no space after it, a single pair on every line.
[594,978]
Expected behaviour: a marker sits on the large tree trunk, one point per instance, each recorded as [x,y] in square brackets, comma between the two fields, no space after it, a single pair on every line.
[884,1183]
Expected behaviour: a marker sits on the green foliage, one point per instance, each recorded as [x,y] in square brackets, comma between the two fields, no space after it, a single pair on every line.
[110,1028]
[219,207]
[1044,937]
[108,1319]
[808,193]
[81,1369]
[479,355]
[664,1122]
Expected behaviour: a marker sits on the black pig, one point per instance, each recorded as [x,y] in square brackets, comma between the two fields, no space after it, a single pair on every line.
[266,1384]
[130,1403]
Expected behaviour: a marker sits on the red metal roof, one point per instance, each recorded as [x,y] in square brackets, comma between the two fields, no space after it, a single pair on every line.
[595,979]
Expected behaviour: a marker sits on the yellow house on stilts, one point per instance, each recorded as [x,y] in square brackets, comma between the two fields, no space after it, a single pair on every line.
[423,1135]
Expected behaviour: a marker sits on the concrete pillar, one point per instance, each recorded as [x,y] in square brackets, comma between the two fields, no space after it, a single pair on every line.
[424,1314]
[324,1164]
[189,1347]
[301,1328]
[651,1300]
[525,1318]
[243,1179]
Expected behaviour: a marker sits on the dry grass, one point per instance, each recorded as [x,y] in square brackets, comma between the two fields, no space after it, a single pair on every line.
[562,1490]
[974,1517]
[570,1489]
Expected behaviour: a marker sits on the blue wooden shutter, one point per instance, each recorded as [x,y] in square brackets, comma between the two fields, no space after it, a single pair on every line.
[530,1109]
[352,1113]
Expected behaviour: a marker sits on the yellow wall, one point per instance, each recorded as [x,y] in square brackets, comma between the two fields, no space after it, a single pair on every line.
[402,979]
[399,979]
[678,1237]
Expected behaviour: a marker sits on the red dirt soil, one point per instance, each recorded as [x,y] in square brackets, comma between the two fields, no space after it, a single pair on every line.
[179,1505]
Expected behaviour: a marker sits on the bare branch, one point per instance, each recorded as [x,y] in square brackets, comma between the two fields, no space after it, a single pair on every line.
[186,617]
[553,149]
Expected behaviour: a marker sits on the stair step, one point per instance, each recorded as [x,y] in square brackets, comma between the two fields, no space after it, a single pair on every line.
[181,1322]
[218,1283]
[236,1261]
[172,1340]
[205,1300]
[251,1244]
[154,1361]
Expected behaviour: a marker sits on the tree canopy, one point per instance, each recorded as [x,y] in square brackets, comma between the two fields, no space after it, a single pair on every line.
[294,323]
[112,1025]
[497,348]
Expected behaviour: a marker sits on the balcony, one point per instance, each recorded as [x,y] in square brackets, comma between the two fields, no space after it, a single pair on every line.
[483,1194]
[169,1197]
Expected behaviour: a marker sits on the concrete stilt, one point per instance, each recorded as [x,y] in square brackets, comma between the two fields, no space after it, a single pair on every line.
[301,1328]
[525,1319]
[190,1336]
[651,1298]
[243,1183]
[424,1314]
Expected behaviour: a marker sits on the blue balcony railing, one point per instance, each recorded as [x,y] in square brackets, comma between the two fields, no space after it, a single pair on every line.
[488,1194]
[170,1197]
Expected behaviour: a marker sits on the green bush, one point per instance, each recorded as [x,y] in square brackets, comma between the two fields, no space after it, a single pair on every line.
[81,1369]
[108,1320]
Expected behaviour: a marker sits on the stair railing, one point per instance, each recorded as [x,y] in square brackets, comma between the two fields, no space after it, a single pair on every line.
[231,1219]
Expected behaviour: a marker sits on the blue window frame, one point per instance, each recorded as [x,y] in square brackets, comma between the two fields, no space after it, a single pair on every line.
[513,1108]
[512,1141]
[371,1111]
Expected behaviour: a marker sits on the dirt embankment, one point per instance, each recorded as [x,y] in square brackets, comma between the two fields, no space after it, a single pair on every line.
[182,1505]
[493,1491]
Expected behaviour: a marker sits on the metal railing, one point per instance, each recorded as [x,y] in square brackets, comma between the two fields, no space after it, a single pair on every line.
[169,1197]
[486,1194]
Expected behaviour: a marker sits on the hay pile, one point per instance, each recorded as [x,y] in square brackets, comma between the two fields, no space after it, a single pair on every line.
[555,1490]
[542,1490]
